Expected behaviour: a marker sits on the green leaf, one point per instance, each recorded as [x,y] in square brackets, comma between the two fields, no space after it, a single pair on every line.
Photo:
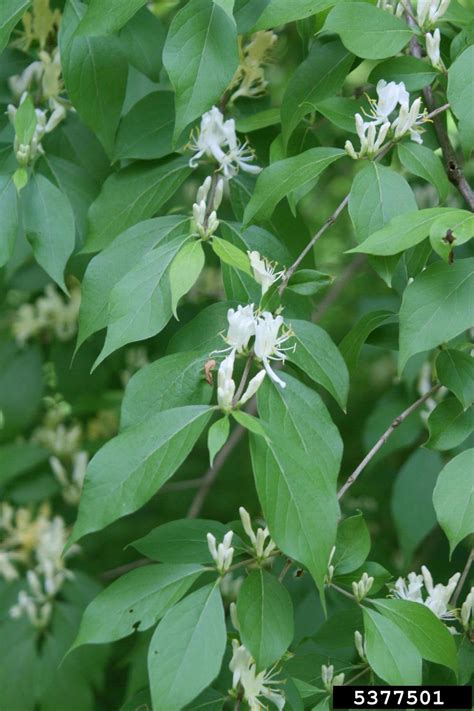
[453,498]
[95,74]
[414,73]
[352,544]
[185,270]
[429,635]
[402,232]
[279,12]
[451,230]
[135,602]
[308,282]
[217,437]
[281,178]
[140,303]
[200,56]
[133,466]
[435,307]
[421,161]
[10,13]
[411,502]
[352,343]
[390,653]
[340,111]
[142,41]
[265,614]
[9,217]
[233,256]
[367,31]
[25,121]
[146,131]
[209,700]
[255,122]
[131,195]
[181,541]
[449,424]
[460,91]
[320,76]
[296,473]
[186,651]
[108,268]
[204,332]
[251,423]
[456,372]
[173,381]
[378,194]
[103,17]
[49,226]
[316,354]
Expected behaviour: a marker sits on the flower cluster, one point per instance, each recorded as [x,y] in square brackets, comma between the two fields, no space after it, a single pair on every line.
[245,323]
[362,588]
[34,544]
[221,553]
[467,609]
[420,588]
[26,153]
[263,271]
[383,123]
[260,546]
[68,461]
[250,75]
[255,687]
[49,314]
[206,206]
[428,12]
[328,678]
[360,645]
[217,139]
[392,6]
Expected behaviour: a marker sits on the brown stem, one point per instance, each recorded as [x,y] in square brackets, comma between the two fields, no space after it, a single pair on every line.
[452,165]
[463,577]
[381,441]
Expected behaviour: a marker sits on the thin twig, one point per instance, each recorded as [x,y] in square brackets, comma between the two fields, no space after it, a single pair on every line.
[285,569]
[345,593]
[211,475]
[451,164]
[381,441]
[122,569]
[357,676]
[463,578]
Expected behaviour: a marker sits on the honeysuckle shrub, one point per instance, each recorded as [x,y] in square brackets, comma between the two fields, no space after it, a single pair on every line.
[236,383]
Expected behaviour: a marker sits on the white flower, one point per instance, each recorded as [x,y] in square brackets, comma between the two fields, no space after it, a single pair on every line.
[206,226]
[240,662]
[250,75]
[225,384]
[263,271]
[252,387]
[412,591]
[370,142]
[221,554]
[439,595]
[217,139]
[360,645]
[268,342]
[409,120]
[363,587]
[328,678]
[389,96]
[430,11]
[7,569]
[258,685]
[242,325]
[258,540]
[20,83]
[71,483]
[432,49]
[467,608]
